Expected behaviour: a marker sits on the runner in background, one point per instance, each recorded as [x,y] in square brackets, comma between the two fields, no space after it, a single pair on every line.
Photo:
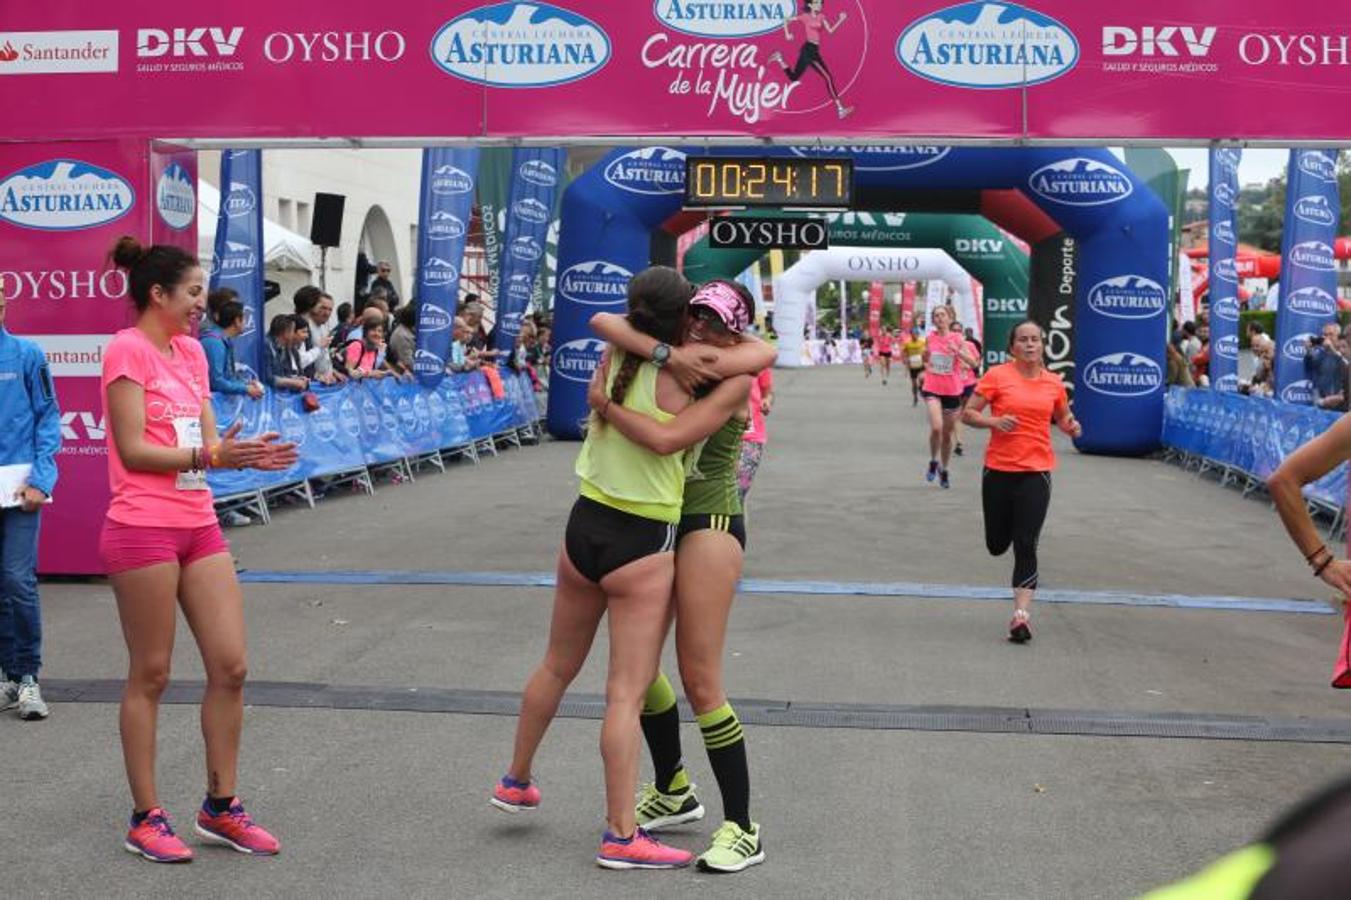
[865,349]
[970,375]
[162,547]
[756,436]
[886,346]
[943,352]
[913,351]
[1023,399]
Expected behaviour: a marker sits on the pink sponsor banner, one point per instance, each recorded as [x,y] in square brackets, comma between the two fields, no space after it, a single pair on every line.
[865,69]
[876,297]
[62,206]
[908,305]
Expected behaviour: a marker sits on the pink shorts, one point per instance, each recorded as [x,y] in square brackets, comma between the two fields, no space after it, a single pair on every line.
[125,547]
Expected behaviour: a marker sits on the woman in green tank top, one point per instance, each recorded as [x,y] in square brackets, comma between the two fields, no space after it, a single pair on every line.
[709,554]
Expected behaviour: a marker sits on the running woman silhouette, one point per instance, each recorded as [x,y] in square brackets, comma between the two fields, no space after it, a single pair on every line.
[809,56]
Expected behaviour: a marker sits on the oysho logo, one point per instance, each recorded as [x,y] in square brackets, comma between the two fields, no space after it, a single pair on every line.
[987,45]
[1225,308]
[539,173]
[432,318]
[1225,269]
[651,170]
[448,180]
[1227,346]
[526,248]
[531,210]
[1224,232]
[1080,182]
[201,41]
[747,18]
[1296,346]
[1123,375]
[444,226]
[1128,297]
[520,45]
[334,46]
[238,261]
[1311,301]
[176,197]
[1314,209]
[240,201]
[1314,255]
[872,158]
[595,283]
[1298,392]
[576,360]
[1318,164]
[64,195]
[437,271]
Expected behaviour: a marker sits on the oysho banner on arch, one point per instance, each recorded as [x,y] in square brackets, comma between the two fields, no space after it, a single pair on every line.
[1055,69]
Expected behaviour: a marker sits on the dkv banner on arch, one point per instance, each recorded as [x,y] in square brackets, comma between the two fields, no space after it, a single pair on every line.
[445,204]
[1308,267]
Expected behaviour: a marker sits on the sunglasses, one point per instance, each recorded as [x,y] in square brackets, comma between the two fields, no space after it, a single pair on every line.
[710,320]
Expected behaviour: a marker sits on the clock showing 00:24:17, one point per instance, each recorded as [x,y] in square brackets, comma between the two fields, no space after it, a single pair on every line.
[725,181]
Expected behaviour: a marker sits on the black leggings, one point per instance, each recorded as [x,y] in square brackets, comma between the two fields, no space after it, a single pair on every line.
[1015,508]
[810,56]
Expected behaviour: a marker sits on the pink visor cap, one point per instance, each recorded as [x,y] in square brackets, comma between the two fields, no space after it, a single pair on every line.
[724,300]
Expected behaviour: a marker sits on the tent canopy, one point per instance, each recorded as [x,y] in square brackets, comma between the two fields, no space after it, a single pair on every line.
[283,248]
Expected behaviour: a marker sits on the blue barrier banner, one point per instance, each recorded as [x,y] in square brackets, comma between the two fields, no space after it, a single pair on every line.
[1308,267]
[447,406]
[1223,281]
[1251,434]
[444,209]
[535,176]
[237,258]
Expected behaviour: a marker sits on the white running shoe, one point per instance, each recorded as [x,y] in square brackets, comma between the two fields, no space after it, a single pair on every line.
[31,706]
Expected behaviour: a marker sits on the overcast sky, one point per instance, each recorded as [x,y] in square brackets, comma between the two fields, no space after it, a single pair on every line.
[1257,165]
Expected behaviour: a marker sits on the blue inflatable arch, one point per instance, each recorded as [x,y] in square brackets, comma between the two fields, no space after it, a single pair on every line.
[611,211]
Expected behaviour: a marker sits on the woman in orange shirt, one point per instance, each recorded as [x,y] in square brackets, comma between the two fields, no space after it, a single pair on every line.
[1023,398]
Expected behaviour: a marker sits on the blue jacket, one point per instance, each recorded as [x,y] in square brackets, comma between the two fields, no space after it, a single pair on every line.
[32,421]
[1326,370]
[220,360]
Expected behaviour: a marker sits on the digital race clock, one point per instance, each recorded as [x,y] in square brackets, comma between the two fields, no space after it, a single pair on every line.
[727,181]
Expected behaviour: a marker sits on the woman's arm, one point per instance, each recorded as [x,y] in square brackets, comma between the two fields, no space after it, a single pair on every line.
[1305,466]
[974,415]
[696,422]
[830,29]
[1063,417]
[126,418]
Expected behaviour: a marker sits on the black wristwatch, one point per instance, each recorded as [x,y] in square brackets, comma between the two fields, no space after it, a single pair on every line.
[661,354]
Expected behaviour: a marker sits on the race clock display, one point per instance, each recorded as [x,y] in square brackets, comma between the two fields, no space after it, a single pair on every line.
[720,182]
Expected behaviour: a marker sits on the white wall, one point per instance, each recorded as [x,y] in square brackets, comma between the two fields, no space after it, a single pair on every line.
[368,178]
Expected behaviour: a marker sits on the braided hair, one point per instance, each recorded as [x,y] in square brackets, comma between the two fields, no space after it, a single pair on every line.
[658,299]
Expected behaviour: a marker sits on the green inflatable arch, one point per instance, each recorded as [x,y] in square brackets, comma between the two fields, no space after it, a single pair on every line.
[987,254]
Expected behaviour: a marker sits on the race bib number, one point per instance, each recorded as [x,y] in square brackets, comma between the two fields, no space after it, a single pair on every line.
[940,363]
[188,434]
[916,361]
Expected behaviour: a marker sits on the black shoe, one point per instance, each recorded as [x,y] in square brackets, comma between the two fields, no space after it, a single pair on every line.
[957,450]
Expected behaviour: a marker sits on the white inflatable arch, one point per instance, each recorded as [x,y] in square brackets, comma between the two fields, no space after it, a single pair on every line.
[795,289]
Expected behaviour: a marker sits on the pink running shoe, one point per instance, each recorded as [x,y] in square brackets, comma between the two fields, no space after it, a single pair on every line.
[235,829]
[510,795]
[641,851]
[155,840]
[1020,628]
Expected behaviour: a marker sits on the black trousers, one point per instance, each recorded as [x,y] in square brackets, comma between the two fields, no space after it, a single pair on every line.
[1015,508]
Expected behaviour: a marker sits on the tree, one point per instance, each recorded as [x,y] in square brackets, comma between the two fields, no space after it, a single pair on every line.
[1261,214]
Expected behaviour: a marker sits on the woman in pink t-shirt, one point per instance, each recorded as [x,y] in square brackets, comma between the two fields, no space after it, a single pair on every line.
[944,354]
[162,547]
[970,375]
[756,436]
[814,25]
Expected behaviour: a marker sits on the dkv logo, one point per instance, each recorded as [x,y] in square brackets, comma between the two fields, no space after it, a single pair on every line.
[724,20]
[987,45]
[1080,182]
[520,45]
[876,158]
[1123,375]
[651,170]
[576,360]
[1128,297]
[64,195]
[1312,301]
[176,197]
[595,283]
